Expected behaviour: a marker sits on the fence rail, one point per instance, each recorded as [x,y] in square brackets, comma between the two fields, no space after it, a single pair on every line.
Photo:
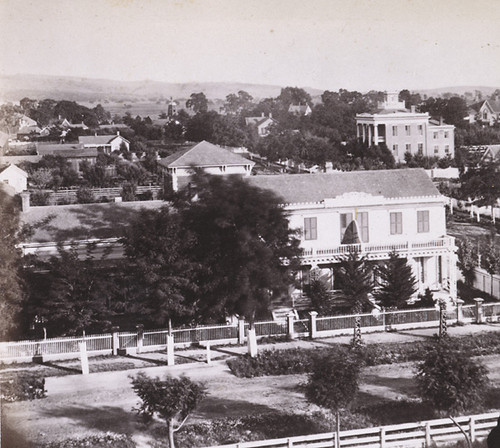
[419,434]
[218,334]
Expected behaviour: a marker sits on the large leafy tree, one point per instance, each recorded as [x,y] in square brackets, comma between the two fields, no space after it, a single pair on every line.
[243,246]
[450,379]
[397,282]
[482,184]
[467,260]
[172,399]
[11,295]
[161,275]
[72,292]
[198,102]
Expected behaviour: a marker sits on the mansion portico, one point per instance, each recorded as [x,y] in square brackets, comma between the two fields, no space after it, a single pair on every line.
[404,130]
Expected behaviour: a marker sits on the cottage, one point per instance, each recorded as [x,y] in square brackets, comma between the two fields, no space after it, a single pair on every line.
[262,123]
[210,158]
[302,110]
[14,177]
[106,143]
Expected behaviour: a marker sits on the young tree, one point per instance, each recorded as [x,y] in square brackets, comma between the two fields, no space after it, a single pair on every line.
[321,300]
[172,399]
[449,379]
[397,282]
[467,260]
[334,382]
[243,246]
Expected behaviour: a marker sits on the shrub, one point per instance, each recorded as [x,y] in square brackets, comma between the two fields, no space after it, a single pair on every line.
[98,441]
[22,387]
[146,196]
[85,195]
[128,192]
[449,379]
[39,198]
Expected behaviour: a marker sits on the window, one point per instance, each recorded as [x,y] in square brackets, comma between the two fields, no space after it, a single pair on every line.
[310,229]
[408,147]
[435,135]
[447,149]
[420,148]
[395,148]
[420,129]
[363,226]
[422,221]
[345,220]
[396,223]
[408,130]
[446,134]
[394,131]
[436,149]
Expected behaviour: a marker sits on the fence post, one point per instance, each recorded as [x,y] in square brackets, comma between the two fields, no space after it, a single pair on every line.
[115,340]
[427,434]
[170,350]
[84,357]
[460,311]
[289,326]
[382,437]
[290,443]
[209,355]
[140,337]
[472,429]
[479,310]
[312,324]
[241,331]
[252,342]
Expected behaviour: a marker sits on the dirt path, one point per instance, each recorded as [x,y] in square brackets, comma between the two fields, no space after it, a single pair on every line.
[79,406]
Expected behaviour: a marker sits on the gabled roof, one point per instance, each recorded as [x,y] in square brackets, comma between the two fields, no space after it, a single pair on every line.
[495,105]
[29,130]
[15,169]
[310,188]
[257,121]
[493,151]
[66,150]
[298,108]
[203,154]
[99,139]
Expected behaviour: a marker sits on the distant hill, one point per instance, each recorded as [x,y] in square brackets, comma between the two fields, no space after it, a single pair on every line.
[16,87]
[457,90]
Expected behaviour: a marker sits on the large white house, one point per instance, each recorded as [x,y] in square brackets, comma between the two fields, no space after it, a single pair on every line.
[394,210]
[404,130]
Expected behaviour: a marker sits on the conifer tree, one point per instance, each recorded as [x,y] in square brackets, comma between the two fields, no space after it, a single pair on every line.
[397,282]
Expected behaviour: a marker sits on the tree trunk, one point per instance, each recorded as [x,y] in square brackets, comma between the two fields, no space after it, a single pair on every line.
[171,442]
[337,429]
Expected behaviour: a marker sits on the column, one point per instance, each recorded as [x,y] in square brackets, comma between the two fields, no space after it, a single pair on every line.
[312,324]
[357,131]
[460,312]
[375,130]
[479,310]
[140,337]
[115,340]
[364,132]
[289,322]
[369,134]
[84,357]
[452,275]
[170,350]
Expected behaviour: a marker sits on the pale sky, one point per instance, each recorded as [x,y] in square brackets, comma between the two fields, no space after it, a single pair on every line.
[327,44]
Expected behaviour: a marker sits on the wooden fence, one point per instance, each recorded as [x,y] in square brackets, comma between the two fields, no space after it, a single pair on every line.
[420,434]
[313,327]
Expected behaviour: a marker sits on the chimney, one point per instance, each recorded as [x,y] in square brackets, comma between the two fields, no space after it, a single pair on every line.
[117,132]
[262,115]
[95,134]
[441,121]
[328,167]
[25,198]
[413,109]
[270,115]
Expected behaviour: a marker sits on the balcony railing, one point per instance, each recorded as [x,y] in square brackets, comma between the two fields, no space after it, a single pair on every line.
[375,250]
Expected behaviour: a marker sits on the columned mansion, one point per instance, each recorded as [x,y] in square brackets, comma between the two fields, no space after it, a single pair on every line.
[404,130]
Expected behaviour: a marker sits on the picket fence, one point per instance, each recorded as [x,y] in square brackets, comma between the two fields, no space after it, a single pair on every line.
[313,327]
[419,434]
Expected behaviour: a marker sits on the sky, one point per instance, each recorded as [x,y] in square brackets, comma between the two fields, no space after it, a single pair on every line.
[326,44]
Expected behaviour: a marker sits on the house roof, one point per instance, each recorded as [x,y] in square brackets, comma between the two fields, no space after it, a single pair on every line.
[160,121]
[495,105]
[29,129]
[310,188]
[257,121]
[83,221]
[98,139]
[298,108]
[66,150]
[493,151]
[203,154]
[13,168]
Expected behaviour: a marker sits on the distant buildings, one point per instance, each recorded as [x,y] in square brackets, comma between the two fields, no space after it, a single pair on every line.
[404,130]
[485,112]
[300,109]
[212,159]
[262,123]
[106,143]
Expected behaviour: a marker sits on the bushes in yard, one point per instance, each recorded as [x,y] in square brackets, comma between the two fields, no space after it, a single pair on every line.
[22,387]
[98,441]
[296,360]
